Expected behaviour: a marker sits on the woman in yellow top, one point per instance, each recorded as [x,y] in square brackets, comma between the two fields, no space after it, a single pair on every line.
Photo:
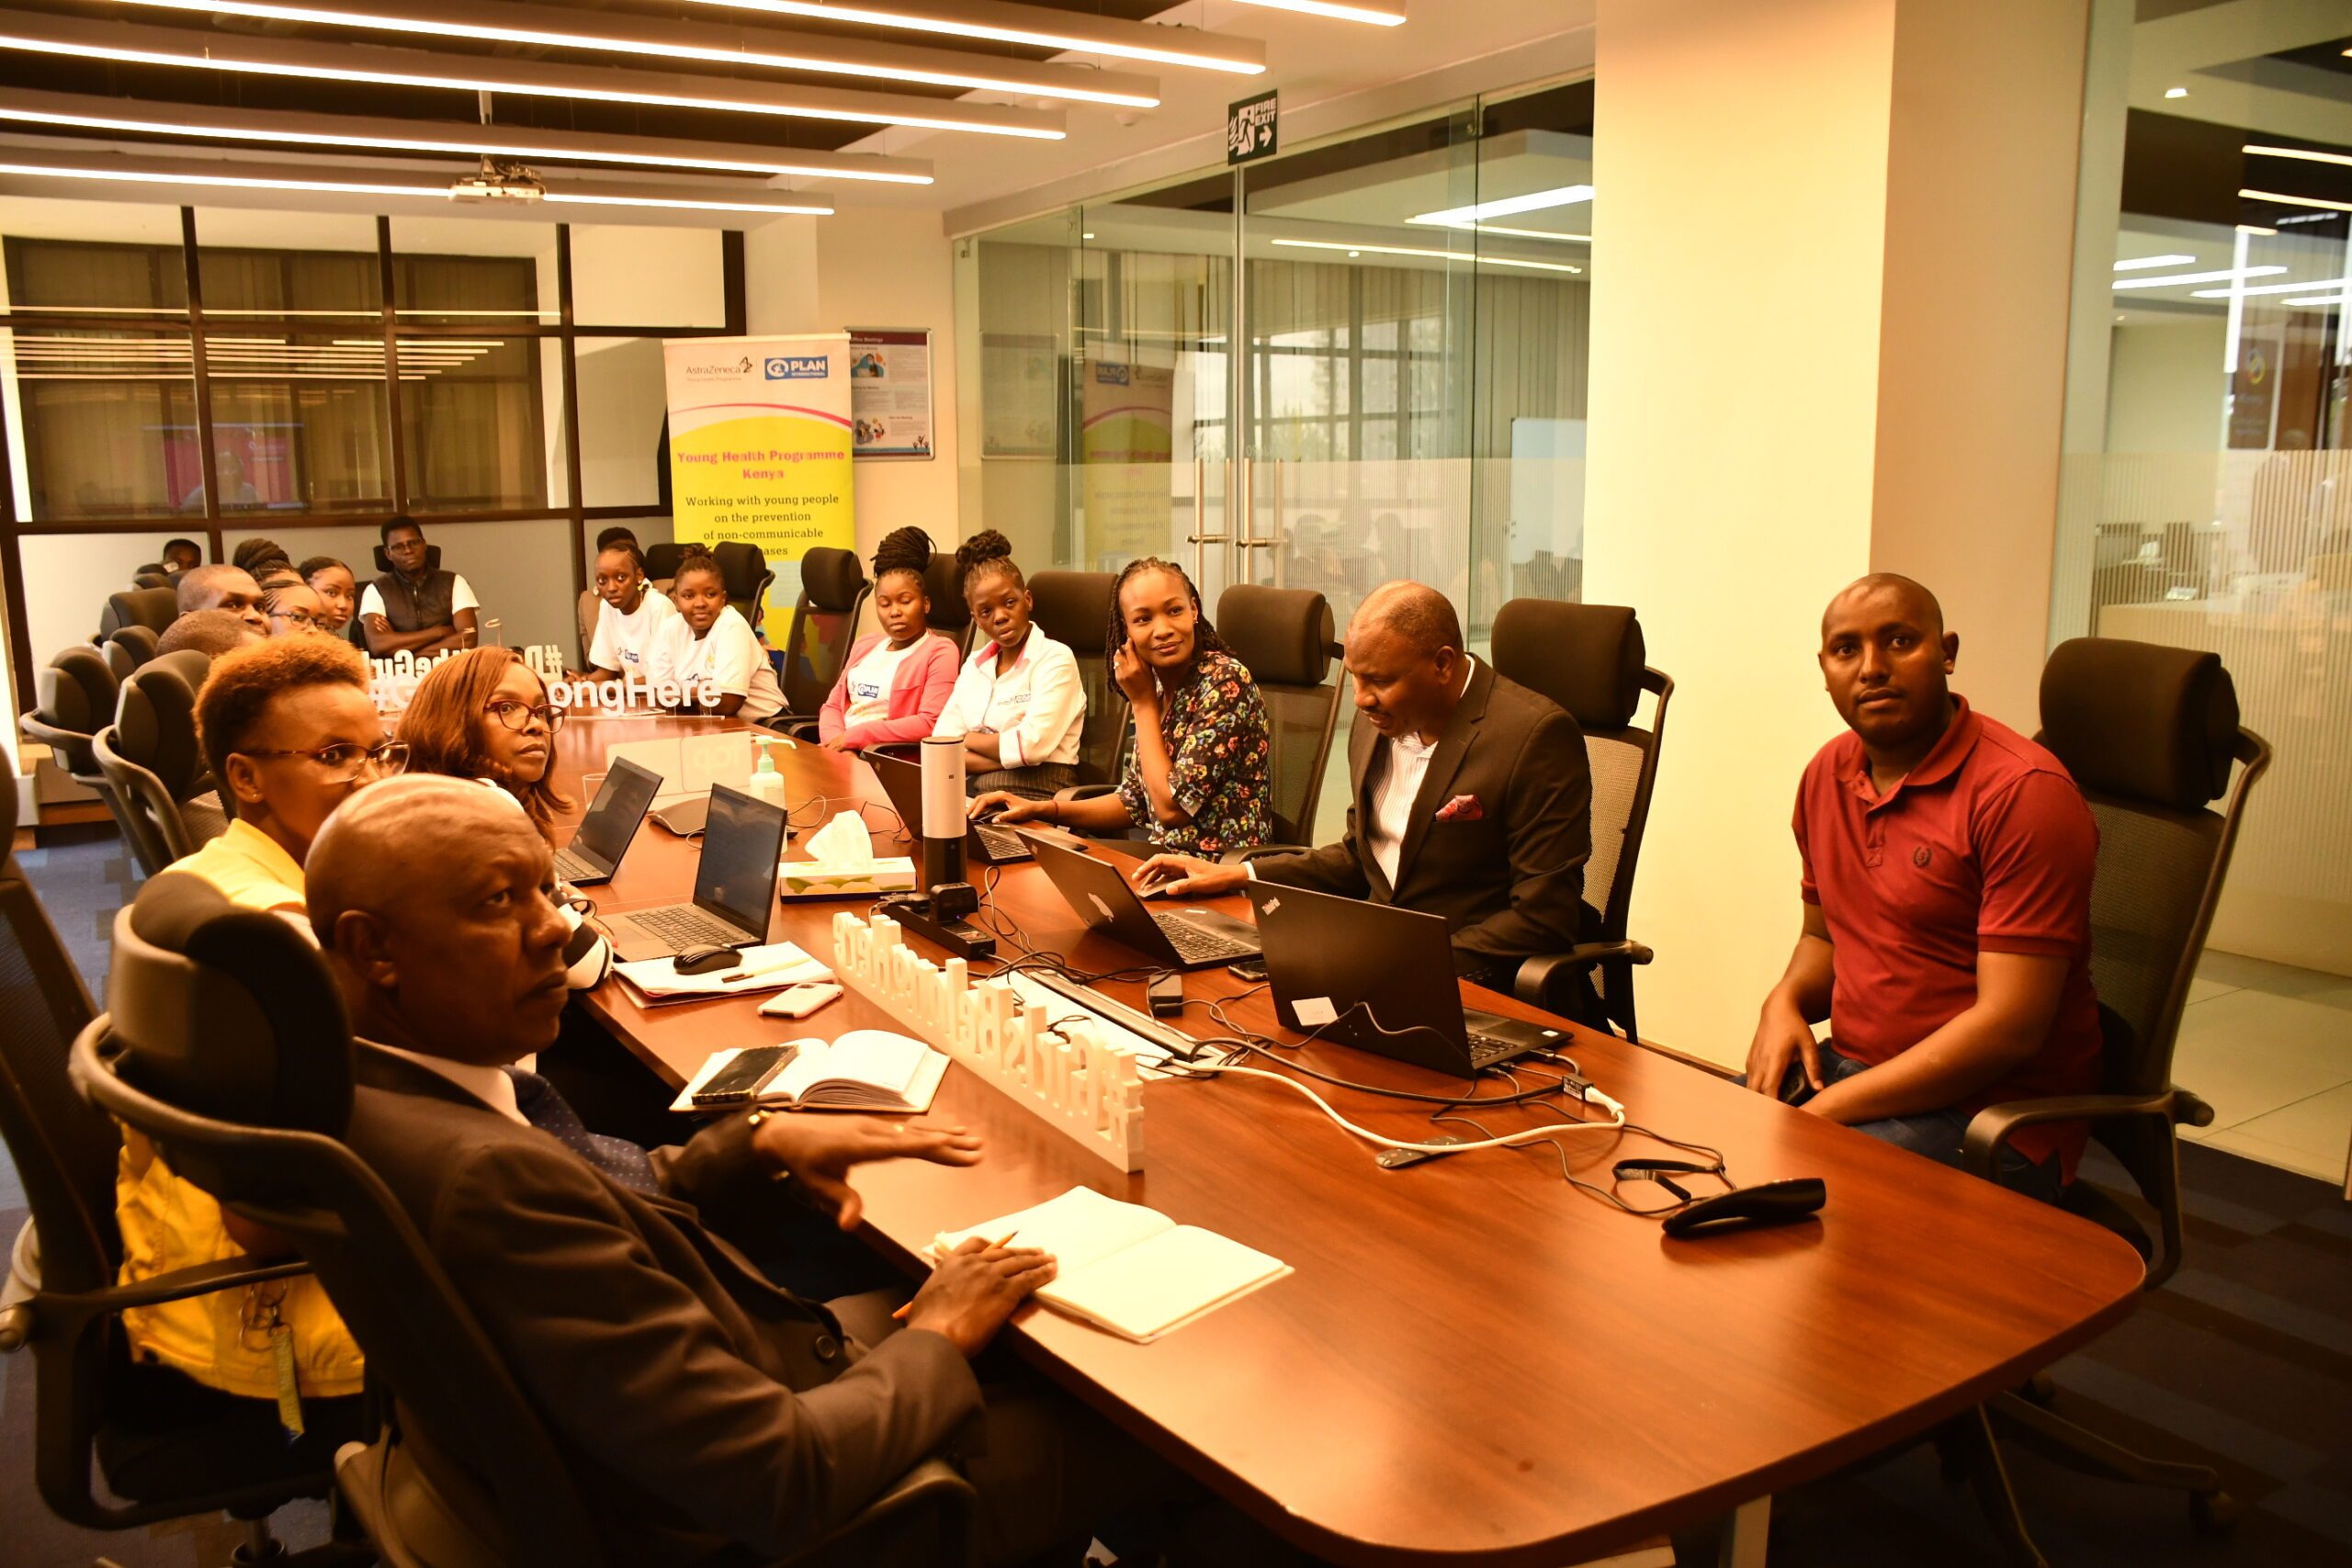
[289,731]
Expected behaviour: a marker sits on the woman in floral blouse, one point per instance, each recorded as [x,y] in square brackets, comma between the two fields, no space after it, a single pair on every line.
[1197,780]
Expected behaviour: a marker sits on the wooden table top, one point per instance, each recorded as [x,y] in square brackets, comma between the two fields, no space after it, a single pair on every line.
[1472,1361]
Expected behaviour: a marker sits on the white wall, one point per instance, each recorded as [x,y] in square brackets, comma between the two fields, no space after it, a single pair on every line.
[2165,389]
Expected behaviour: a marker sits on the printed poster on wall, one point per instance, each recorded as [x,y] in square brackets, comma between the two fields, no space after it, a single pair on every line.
[1126,439]
[1020,399]
[760,450]
[890,392]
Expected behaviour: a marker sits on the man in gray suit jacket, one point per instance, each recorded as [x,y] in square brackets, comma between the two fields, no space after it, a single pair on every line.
[704,1410]
[1471,797]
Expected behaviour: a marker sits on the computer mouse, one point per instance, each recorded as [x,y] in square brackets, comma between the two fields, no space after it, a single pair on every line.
[703,960]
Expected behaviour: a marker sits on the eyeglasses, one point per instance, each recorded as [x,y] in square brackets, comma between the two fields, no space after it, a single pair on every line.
[518,715]
[344,762]
[299,617]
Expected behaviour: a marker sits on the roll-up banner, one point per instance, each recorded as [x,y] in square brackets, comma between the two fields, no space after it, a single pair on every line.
[760,450]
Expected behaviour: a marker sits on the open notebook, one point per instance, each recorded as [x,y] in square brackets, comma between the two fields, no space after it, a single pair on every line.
[1127,1269]
[866,1070]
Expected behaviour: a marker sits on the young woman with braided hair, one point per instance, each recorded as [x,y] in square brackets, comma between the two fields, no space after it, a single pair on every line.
[1018,702]
[897,681]
[1197,781]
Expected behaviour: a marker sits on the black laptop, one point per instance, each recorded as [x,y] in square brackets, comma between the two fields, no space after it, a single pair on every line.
[605,833]
[734,885]
[1097,890]
[1380,978]
[902,781]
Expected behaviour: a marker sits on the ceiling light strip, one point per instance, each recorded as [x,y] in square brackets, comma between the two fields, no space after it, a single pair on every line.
[2308,155]
[72,111]
[131,44]
[996,21]
[2307,286]
[1534,201]
[1357,248]
[495,21]
[2182,279]
[2138,263]
[1378,15]
[2296,200]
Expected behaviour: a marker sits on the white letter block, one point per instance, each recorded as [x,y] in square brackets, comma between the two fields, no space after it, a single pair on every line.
[1079,1081]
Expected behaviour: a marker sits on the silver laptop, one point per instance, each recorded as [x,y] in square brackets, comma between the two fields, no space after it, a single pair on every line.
[734,885]
[1099,892]
[605,833]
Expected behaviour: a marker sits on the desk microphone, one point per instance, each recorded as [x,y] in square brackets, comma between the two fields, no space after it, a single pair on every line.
[942,910]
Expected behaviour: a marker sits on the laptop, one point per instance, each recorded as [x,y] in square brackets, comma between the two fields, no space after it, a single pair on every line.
[902,781]
[1181,938]
[613,817]
[734,885]
[1380,978]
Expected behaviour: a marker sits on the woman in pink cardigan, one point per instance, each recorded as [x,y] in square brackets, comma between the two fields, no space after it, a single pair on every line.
[897,680]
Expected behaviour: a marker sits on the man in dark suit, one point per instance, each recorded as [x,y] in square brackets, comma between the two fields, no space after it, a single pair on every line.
[1470,797]
[705,1411]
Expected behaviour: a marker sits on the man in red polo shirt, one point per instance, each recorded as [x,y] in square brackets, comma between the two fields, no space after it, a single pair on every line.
[1947,892]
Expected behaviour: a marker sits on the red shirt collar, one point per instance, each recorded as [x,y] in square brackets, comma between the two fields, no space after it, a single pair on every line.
[1943,760]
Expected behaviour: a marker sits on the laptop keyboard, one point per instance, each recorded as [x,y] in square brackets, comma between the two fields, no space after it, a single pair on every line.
[1199,946]
[571,868]
[1003,843]
[683,926]
[1486,1049]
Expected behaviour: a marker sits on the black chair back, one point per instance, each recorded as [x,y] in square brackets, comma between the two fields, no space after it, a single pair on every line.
[150,577]
[2150,734]
[661,561]
[951,616]
[745,568]
[824,625]
[138,642]
[150,754]
[1284,635]
[1590,659]
[1074,609]
[77,692]
[154,608]
[227,1044]
[432,559]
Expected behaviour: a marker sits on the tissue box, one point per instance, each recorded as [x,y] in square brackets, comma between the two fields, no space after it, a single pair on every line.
[817,879]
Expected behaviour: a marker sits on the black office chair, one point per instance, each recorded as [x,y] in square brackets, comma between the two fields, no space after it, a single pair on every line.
[2150,734]
[160,1466]
[151,576]
[661,564]
[745,570]
[150,754]
[154,608]
[384,563]
[951,615]
[824,625]
[138,645]
[1589,659]
[1284,635]
[1074,609]
[77,692]
[228,1044]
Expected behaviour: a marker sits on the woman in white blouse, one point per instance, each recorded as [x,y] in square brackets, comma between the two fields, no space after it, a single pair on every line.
[710,650]
[1018,701]
[630,621]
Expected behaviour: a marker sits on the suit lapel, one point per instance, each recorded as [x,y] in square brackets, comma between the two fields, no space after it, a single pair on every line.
[1438,780]
[1363,752]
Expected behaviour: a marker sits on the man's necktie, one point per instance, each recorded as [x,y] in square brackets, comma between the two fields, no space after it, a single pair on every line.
[544,1108]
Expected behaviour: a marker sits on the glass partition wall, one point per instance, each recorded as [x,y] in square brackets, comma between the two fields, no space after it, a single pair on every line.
[1360,361]
[219,373]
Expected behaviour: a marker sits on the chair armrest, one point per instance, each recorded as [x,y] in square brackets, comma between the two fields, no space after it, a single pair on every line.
[1537,975]
[1085,792]
[1990,1129]
[797,729]
[199,1279]
[932,1484]
[1243,857]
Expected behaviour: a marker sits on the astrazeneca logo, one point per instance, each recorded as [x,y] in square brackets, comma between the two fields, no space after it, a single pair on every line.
[1110,375]
[797,367]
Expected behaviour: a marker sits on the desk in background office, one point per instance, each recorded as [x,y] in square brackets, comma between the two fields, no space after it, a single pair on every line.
[1473,1363]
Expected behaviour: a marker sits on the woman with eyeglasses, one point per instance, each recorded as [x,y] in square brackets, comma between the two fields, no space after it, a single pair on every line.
[484,715]
[291,732]
[293,608]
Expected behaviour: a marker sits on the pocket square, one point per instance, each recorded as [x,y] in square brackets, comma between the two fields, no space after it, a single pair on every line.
[1462,808]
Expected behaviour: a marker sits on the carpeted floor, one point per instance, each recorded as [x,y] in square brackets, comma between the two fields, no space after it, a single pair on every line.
[2244,1362]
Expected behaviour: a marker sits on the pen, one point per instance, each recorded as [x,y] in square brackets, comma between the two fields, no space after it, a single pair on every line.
[900,1315]
[742,975]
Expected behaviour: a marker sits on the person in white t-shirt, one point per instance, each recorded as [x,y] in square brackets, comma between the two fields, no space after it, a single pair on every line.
[629,622]
[897,680]
[708,647]
[1019,703]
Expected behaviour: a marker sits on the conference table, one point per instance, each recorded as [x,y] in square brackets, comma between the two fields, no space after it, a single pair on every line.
[1473,1363]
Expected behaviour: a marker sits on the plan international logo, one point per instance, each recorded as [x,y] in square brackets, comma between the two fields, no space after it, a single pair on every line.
[797,366]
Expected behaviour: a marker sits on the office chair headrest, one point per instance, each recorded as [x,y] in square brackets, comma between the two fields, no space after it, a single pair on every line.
[661,561]
[432,559]
[949,613]
[1073,607]
[155,607]
[742,566]
[1587,658]
[2138,719]
[831,578]
[77,691]
[139,640]
[150,577]
[155,723]
[1283,635]
[226,1011]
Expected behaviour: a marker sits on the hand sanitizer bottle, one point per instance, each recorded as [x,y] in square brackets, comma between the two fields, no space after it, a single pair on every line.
[766,784]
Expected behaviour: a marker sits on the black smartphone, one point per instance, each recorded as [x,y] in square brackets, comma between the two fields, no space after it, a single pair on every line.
[740,1080]
[1251,969]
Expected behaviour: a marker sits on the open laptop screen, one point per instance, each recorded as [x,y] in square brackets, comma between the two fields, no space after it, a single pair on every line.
[619,806]
[740,844]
